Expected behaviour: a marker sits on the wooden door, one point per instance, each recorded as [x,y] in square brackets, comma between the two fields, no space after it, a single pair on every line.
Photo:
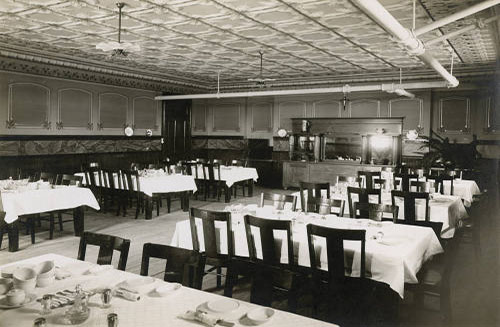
[176,130]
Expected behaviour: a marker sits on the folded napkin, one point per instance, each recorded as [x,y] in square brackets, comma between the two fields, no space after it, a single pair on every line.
[62,273]
[127,295]
[97,269]
[205,318]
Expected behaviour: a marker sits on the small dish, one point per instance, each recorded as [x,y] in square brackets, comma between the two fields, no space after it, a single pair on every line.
[30,298]
[223,305]
[9,271]
[167,289]
[5,285]
[138,285]
[260,315]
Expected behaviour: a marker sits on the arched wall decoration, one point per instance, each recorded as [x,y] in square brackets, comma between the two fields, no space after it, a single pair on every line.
[267,114]
[102,98]
[153,109]
[199,114]
[455,104]
[358,101]
[222,122]
[333,103]
[34,98]
[298,111]
[492,121]
[420,115]
[61,124]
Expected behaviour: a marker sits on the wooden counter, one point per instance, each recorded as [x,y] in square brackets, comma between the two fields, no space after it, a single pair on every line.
[321,172]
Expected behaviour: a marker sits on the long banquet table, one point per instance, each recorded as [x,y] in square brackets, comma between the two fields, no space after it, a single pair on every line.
[149,311]
[448,209]
[394,260]
[20,202]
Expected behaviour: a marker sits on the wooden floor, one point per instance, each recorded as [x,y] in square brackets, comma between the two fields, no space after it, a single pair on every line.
[475,285]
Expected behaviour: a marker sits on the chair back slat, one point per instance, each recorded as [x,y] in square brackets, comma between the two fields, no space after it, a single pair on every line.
[313,190]
[363,197]
[324,206]
[208,219]
[375,211]
[409,200]
[278,200]
[106,243]
[369,176]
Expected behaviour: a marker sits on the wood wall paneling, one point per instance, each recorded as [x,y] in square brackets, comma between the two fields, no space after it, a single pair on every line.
[145,113]
[28,106]
[199,118]
[364,108]
[454,115]
[290,109]
[261,117]
[74,109]
[492,121]
[113,109]
[410,109]
[327,108]
[226,117]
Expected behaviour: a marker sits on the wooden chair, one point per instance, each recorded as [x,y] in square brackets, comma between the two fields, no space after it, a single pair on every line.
[349,180]
[213,257]
[404,180]
[269,272]
[368,177]
[363,197]
[131,180]
[106,244]
[192,170]
[313,190]
[376,211]
[410,199]
[242,184]
[67,180]
[324,206]
[351,301]
[419,186]
[48,177]
[440,181]
[212,181]
[71,180]
[238,163]
[278,200]
[379,183]
[182,266]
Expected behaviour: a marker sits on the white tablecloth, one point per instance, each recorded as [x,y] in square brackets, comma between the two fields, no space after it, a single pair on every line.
[148,311]
[445,208]
[160,183]
[391,264]
[232,174]
[27,202]
[465,189]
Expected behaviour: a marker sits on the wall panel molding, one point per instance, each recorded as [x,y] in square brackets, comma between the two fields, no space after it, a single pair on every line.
[319,107]
[32,106]
[150,112]
[370,102]
[419,117]
[78,105]
[114,118]
[451,108]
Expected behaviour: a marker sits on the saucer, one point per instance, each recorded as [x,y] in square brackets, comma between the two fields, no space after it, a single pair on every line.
[29,299]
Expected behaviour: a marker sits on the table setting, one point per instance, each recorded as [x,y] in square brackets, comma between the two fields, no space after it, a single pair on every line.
[97,299]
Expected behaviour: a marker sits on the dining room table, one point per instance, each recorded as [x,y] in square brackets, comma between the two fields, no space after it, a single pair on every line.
[157,182]
[175,305]
[18,198]
[394,252]
[448,209]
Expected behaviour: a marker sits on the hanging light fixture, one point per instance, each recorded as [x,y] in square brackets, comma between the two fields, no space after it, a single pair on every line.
[261,81]
[118,49]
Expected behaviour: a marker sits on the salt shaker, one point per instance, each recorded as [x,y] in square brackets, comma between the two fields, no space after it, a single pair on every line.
[40,322]
[106,298]
[112,320]
[46,304]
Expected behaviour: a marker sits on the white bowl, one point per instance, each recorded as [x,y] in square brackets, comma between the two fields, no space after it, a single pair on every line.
[45,281]
[25,279]
[45,269]
[260,315]
[5,285]
[15,297]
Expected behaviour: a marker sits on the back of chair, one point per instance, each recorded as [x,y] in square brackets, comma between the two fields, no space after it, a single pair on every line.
[211,172]
[324,206]
[71,180]
[351,180]
[375,211]
[106,244]
[440,181]
[379,183]
[335,250]
[278,200]
[271,255]
[48,177]
[208,219]
[369,175]
[313,190]
[418,185]
[238,163]
[191,169]
[363,197]
[409,199]
[183,266]
[108,177]
[405,180]
[131,179]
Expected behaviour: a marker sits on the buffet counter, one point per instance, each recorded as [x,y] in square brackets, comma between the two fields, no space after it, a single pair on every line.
[322,172]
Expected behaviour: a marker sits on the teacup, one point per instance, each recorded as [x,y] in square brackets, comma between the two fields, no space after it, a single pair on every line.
[45,269]
[25,279]
[45,281]
[5,285]
[15,297]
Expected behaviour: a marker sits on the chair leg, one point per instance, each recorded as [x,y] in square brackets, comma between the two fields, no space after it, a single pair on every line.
[1,235]
[169,202]
[51,226]
[60,221]
[31,226]
[219,277]
[38,220]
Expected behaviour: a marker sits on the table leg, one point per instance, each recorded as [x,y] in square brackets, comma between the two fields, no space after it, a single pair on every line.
[148,207]
[186,202]
[13,232]
[227,194]
[250,187]
[78,220]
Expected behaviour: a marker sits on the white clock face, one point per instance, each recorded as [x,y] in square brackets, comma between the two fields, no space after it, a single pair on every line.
[149,132]
[129,131]
[282,132]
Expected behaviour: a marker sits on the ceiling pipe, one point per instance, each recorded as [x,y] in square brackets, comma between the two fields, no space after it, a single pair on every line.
[337,89]
[456,16]
[481,23]
[413,45]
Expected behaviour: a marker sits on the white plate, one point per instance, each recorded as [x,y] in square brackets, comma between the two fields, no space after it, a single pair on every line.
[223,305]
[260,315]
[167,289]
[29,299]
[139,285]
[233,315]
